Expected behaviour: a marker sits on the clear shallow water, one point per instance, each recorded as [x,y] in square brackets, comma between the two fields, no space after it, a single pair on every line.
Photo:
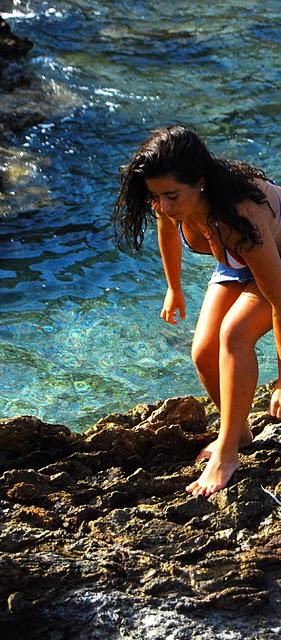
[80,334]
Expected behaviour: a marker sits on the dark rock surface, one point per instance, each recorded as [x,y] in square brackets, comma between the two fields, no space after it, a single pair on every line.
[19,98]
[25,98]
[11,46]
[99,540]
[12,51]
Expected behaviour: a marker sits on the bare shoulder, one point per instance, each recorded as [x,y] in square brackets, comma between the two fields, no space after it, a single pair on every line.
[260,220]
[257,214]
[264,212]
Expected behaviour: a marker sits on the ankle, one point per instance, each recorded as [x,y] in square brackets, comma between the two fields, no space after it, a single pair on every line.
[226,450]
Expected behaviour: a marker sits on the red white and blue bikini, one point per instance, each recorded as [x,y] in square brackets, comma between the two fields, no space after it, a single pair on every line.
[235,269]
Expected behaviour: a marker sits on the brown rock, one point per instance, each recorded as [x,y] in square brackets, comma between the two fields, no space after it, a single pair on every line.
[22,435]
[24,493]
[186,412]
[39,517]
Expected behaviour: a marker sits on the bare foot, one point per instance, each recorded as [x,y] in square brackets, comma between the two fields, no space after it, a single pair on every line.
[215,476]
[245,440]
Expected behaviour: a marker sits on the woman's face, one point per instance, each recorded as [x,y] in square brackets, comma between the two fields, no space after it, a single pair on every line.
[175,199]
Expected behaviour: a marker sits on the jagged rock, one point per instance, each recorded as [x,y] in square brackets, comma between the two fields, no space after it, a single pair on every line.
[108,513]
[39,517]
[262,396]
[25,435]
[12,50]
[186,412]
[16,602]
[11,46]
[26,100]
[270,433]
[139,413]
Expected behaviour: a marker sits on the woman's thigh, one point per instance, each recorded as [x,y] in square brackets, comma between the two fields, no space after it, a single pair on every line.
[248,318]
[218,301]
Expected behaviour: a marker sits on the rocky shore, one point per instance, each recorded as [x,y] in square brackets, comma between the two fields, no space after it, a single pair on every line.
[99,540]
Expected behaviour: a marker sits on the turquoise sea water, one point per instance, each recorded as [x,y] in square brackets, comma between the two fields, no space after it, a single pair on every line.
[80,333]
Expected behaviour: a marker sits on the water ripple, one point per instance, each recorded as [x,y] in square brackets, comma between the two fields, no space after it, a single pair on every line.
[80,332]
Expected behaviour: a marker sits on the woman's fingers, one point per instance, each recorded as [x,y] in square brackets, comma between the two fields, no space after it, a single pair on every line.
[182,312]
[275,404]
[173,303]
[168,316]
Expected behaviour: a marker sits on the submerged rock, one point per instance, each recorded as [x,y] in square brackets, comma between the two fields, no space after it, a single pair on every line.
[26,99]
[11,45]
[100,522]
[12,50]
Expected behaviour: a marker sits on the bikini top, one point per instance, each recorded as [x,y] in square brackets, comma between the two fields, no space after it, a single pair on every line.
[233,260]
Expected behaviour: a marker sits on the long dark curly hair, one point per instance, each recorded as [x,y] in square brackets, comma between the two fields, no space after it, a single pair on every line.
[179,152]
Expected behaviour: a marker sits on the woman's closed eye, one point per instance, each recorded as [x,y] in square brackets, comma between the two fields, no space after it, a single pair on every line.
[155,198]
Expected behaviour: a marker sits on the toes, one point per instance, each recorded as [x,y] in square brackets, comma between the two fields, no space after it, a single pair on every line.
[216,487]
[195,489]
[200,491]
[209,491]
[191,487]
[206,490]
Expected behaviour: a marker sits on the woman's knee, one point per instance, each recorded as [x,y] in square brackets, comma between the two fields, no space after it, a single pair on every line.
[203,353]
[235,336]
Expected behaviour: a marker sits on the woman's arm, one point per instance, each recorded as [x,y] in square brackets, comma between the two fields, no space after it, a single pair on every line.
[170,250]
[265,264]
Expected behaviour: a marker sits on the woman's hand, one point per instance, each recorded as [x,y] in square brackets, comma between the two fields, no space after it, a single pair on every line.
[275,403]
[173,302]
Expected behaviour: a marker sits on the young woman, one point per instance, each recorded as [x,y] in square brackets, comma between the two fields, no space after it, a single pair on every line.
[232,211]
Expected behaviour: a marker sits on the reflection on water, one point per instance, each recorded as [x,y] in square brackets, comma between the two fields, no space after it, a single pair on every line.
[80,331]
